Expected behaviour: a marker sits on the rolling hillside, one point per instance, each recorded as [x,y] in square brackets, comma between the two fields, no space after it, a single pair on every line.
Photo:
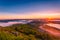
[24,32]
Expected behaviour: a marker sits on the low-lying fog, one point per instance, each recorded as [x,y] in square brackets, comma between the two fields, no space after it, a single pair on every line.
[54,25]
[4,24]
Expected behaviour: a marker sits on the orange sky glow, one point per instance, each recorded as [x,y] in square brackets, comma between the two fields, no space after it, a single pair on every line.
[30,16]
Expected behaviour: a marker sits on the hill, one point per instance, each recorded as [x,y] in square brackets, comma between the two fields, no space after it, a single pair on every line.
[24,32]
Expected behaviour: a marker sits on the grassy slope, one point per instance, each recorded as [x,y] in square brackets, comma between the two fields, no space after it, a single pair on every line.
[23,32]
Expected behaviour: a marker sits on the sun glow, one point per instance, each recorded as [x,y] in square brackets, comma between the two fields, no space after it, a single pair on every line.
[37,15]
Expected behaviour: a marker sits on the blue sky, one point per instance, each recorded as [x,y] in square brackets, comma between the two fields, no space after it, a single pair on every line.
[24,7]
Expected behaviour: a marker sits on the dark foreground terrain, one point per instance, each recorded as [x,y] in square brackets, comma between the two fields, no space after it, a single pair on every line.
[25,32]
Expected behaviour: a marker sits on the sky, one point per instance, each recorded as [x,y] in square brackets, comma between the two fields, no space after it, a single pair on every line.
[29,9]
